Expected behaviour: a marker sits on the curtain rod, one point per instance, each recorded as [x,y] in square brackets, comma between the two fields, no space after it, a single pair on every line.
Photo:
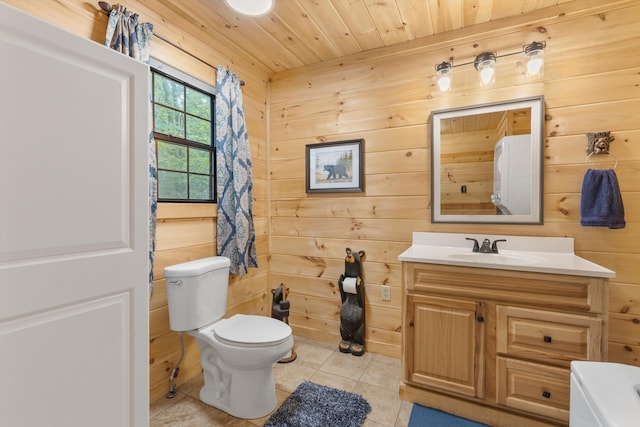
[107,8]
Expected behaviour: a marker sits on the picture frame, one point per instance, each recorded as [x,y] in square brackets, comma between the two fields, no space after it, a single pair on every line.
[335,166]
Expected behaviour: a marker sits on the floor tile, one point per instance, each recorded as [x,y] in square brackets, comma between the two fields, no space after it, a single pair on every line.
[346,365]
[385,404]
[383,372]
[374,377]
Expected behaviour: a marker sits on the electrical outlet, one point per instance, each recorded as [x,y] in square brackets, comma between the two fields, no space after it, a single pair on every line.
[386,293]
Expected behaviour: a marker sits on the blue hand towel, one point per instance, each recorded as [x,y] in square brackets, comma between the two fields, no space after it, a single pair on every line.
[601,202]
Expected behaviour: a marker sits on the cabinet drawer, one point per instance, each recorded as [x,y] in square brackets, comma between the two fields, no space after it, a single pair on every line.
[548,336]
[539,389]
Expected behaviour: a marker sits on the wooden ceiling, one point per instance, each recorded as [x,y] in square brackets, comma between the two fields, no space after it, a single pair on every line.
[303,32]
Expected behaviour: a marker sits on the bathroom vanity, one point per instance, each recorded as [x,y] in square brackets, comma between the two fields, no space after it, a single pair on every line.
[490,336]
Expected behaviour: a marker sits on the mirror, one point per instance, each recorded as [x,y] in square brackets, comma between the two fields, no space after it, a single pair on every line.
[486,163]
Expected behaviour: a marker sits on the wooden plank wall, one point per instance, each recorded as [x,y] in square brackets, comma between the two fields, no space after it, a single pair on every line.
[186,231]
[591,81]
[591,84]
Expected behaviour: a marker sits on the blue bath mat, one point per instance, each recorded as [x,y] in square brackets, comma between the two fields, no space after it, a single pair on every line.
[313,405]
[422,416]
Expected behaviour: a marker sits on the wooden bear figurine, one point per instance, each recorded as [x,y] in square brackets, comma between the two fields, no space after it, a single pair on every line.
[352,327]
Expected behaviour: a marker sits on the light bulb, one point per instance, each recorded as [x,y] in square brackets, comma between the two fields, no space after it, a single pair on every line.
[534,67]
[444,76]
[535,59]
[485,63]
[486,75]
[444,83]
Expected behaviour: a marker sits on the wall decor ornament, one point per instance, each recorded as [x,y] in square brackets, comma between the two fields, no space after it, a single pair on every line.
[598,142]
[335,166]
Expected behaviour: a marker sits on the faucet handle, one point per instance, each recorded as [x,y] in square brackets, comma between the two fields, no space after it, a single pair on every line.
[476,245]
[494,246]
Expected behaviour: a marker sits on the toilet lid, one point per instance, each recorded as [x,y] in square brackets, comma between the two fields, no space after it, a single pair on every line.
[243,329]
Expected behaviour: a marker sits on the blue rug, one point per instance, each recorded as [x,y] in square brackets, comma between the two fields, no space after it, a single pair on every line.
[422,416]
[313,405]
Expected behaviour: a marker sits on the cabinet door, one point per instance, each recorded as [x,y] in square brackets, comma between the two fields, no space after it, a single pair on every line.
[445,343]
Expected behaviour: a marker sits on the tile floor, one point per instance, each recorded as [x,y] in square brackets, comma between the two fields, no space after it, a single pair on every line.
[373,376]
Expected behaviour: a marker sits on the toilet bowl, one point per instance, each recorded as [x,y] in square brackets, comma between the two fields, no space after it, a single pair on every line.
[237,354]
[238,366]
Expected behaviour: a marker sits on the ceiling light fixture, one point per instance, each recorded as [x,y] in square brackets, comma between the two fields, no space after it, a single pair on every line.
[251,7]
[485,63]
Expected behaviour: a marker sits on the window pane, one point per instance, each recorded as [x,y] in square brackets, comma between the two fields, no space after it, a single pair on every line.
[168,92]
[169,122]
[199,187]
[185,160]
[172,156]
[198,130]
[199,161]
[172,185]
[198,103]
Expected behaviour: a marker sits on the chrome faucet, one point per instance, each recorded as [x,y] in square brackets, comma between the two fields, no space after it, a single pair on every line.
[487,247]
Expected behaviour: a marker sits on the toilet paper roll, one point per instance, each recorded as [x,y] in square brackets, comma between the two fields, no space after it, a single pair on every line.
[349,285]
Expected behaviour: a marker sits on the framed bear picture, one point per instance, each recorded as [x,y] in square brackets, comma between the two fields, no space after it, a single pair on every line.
[335,166]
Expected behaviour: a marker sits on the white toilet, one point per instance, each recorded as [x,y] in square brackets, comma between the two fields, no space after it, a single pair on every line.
[604,394]
[237,354]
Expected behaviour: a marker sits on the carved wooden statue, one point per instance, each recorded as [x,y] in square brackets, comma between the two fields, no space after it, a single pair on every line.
[352,326]
[280,310]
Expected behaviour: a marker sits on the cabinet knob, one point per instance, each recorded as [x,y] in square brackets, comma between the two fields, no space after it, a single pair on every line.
[546,394]
[480,319]
[547,338]
[411,324]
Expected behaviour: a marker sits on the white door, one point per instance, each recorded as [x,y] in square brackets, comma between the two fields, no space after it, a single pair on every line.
[73,230]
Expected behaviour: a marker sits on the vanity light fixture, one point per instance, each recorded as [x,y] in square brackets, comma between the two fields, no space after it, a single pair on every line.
[251,7]
[535,59]
[485,63]
[444,75]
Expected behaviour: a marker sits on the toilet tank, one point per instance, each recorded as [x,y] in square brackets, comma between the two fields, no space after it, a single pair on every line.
[197,292]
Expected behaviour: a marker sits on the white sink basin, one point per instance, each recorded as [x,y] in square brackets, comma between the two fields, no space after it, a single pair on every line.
[507,259]
[523,253]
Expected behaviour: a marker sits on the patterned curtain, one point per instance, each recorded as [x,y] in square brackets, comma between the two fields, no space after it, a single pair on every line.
[235,230]
[126,35]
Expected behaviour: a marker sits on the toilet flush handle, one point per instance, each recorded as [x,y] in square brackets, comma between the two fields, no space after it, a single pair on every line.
[176,282]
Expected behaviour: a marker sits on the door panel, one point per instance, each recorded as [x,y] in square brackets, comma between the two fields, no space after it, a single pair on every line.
[73,229]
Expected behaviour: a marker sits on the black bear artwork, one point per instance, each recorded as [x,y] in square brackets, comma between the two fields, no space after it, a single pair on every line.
[336,171]
[352,327]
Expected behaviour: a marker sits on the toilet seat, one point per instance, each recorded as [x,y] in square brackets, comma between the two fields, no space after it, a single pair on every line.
[242,330]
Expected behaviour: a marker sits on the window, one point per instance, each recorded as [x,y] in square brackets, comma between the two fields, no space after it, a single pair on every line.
[183,129]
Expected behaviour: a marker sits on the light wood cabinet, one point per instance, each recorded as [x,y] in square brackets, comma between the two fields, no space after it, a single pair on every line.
[445,341]
[495,345]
